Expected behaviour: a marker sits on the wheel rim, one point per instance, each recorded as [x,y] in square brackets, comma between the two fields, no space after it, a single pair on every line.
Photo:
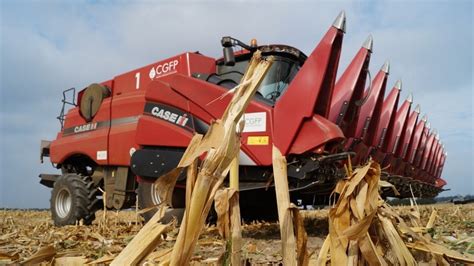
[63,203]
[155,196]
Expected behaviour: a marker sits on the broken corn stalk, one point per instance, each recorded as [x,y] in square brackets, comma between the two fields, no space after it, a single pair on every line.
[363,229]
[222,145]
[234,208]
[288,241]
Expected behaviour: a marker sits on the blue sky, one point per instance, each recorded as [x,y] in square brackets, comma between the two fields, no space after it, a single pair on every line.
[48,46]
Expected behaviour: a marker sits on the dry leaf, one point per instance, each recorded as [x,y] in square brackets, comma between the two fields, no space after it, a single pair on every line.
[43,254]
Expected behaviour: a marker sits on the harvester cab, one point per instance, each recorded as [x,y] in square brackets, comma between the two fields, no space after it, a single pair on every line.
[231,68]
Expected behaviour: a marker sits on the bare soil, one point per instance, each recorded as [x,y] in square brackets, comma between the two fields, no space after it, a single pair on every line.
[23,232]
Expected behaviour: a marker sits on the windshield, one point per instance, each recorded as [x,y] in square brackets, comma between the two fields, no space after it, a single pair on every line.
[276,81]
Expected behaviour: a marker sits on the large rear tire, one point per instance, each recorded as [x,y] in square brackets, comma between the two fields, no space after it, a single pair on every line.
[149,197]
[73,198]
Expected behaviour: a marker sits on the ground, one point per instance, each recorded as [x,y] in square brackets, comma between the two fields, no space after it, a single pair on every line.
[23,232]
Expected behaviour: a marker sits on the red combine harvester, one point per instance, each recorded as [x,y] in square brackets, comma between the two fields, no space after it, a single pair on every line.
[126,132]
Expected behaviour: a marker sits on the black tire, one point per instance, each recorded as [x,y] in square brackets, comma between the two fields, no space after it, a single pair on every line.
[73,198]
[147,198]
[258,204]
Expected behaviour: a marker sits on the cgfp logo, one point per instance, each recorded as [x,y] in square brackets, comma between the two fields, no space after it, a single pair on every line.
[255,122]
[163,69]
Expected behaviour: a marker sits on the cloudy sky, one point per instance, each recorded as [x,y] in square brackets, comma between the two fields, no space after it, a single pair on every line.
[48,46]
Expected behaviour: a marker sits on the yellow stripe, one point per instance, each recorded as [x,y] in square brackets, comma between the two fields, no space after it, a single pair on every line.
[257,140]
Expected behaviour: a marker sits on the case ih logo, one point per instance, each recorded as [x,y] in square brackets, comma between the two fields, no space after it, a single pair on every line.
[163,69]
[170,114]
[86,127]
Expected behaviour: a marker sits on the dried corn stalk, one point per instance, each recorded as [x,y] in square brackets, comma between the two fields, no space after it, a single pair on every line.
[144,242]
[227,208]
[301,237]
[288,241]
[235,219]
[363,229]
[46,253]
[221,205]
[222,145]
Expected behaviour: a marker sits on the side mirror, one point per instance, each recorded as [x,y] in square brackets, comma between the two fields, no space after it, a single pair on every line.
[229,42]
[229,58]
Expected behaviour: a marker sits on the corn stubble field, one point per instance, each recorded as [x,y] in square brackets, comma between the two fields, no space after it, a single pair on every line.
[24,232]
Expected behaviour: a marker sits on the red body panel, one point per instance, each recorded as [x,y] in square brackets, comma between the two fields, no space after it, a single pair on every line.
[436,165]
[440,182]
[402,149]
[87,143]
[415,142]
[427,151]
[368,119]
[422,147]
[441,165]
[348,91]
[387,120]
[432,159]
[330,131]
[186,86]
[310,91]
[118,119]
[371,109]
[401,163]
[399,127]
[391,159]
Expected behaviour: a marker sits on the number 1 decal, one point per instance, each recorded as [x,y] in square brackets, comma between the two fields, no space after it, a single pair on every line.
[137,80]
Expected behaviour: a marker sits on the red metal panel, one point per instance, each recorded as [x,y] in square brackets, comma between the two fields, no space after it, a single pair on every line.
[370,110]
[433,154]
[441,165]
[422,147]
[362,153]
[427,151]
[122,135]
[310,91]
[437,156]
[156,132]
[438,162]
[86,143]
[162,92]
[402,149]
[440,183]
[208,96]
[202,93]
[415,142]
[348,90]
[307,140]
[140,78]
[399,127]
[387,120]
